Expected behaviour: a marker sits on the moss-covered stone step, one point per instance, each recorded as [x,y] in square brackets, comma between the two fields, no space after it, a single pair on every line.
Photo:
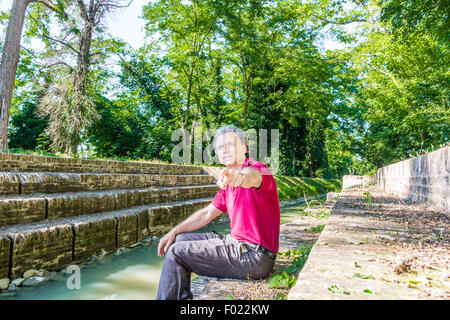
[53,244]
[25,163]
[33,208]
[9,183]
[21,183]
[39,246]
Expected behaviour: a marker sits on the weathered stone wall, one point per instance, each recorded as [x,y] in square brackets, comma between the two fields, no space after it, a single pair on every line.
[58,211]
[21,183]
[33,208]
[420,179]
[352,181]
[53,244]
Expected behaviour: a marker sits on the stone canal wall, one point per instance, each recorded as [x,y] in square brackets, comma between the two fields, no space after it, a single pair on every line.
[353,181]
[58,211]
[54,244]
[420,179]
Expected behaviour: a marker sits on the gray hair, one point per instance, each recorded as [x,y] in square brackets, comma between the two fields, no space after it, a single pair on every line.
[231,128]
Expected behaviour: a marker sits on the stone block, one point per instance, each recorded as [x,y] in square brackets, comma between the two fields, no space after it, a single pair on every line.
[163,218]
[5,251]
[93,235]
[41,247]
[142,223]
[422,178]
[9,183]
[48,182]
[15,210]
[128,198]
[126,229]
[74,204]
[159,220]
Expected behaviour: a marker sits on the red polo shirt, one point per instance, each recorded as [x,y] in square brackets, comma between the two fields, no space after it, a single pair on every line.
[254,213]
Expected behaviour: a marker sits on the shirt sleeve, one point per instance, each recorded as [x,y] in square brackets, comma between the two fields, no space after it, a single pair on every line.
[220,201]
[268,181]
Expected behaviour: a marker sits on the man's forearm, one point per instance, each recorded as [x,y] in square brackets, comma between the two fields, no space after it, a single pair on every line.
[194,222]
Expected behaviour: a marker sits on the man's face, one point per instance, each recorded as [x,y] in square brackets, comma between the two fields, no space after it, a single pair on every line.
[230,149]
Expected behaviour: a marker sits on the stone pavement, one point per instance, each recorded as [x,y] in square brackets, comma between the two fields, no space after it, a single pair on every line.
[375,246]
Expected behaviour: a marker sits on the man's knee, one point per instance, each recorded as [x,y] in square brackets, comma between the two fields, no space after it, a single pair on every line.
[177,249]
[177,255]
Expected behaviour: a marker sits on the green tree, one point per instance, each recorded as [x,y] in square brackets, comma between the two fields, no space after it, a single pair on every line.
[403,89]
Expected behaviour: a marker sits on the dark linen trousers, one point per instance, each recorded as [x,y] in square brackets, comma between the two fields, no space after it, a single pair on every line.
[208,254]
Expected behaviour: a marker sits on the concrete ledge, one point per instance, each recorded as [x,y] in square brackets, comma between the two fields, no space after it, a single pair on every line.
[354,181]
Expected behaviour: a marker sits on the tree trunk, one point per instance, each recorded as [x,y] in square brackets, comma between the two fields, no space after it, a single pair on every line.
[247,96]
[79,85]
[184,125]
[194,123]
[188,98]
[8,67]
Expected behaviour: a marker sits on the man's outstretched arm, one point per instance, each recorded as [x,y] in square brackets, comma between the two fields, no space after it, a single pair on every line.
[245,178]
[194,222]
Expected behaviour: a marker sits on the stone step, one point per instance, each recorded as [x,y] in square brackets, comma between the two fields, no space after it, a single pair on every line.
[19,183]
[54,244]
[25,163]
[37,207]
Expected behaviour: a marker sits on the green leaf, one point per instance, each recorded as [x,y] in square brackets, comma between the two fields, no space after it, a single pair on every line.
[363,276]
[283,280]
[335,289]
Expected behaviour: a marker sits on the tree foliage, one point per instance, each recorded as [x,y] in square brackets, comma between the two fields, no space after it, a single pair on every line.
[255,64]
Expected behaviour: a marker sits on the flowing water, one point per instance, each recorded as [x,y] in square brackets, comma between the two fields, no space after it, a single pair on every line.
[133,275]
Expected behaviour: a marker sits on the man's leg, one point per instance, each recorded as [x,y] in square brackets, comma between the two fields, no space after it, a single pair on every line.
[214,257]
[175,276]
[191,236]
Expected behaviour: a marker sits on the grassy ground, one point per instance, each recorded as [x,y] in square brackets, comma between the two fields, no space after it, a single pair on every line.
[291,188]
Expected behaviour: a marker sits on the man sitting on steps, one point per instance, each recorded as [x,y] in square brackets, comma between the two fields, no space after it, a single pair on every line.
[249,195]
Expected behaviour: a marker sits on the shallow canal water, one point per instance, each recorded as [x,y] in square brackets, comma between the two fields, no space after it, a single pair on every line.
[133,275]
